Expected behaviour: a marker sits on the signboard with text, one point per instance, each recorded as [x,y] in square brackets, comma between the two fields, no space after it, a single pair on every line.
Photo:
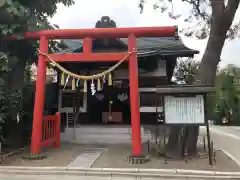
[184,110]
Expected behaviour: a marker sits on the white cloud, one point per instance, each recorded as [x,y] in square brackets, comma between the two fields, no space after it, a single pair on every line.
[85,13]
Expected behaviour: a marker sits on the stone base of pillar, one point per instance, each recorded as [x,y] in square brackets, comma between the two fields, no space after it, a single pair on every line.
[31,156]
[140,159]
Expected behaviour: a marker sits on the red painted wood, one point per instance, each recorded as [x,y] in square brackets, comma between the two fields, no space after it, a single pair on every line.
[45,130]
[88,57]
[49,118]
[134,98]
[57,130]
[49,123]
[167,31]
[39,98]
[48,142]
[51,130]
[87,46]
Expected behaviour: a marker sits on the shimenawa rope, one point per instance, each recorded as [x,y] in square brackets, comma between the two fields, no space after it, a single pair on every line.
[81,77]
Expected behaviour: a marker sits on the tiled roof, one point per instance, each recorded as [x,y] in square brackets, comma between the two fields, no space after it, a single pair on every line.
[148,46]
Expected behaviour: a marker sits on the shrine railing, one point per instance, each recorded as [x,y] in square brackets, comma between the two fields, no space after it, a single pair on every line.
[51,130]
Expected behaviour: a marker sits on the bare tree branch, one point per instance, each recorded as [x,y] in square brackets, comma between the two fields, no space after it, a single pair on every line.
[196,5]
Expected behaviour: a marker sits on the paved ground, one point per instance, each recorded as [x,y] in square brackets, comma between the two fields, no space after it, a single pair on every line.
[116,155]
[57,177]
[50,177]
[228,139]
[55,157]
[87,158]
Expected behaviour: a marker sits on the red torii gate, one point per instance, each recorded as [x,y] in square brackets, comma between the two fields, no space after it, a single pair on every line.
[88,35]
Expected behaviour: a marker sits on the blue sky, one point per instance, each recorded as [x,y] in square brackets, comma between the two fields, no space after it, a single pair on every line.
[125,13]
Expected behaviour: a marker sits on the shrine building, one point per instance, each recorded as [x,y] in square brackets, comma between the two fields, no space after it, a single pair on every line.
[157,58]
[107,79]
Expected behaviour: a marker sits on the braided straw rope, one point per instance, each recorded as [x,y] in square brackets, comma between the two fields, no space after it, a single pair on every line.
[92,77]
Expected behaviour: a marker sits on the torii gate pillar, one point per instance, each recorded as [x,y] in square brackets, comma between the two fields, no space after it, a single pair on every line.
[39,98]
[88,56]
[134,97]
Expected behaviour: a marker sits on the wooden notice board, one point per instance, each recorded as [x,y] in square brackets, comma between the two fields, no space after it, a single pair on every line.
[184,110]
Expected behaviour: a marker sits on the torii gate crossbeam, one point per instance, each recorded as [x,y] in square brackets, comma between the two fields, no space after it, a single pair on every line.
[88,35]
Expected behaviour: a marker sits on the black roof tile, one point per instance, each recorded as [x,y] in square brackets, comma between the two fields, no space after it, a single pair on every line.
[148,46]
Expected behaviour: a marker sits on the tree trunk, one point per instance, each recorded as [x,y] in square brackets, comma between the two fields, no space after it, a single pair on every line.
[173,149]
[222,18]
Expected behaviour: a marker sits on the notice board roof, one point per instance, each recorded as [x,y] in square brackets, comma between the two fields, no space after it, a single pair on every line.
[185,89]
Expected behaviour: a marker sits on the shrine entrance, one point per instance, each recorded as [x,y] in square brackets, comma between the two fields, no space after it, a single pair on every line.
[88,56]
[109,106]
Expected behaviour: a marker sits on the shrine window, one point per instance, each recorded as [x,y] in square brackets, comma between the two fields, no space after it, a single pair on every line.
[147,99]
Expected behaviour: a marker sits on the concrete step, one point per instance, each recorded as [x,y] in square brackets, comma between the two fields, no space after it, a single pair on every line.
[112,134]
[101,138]
[116,129]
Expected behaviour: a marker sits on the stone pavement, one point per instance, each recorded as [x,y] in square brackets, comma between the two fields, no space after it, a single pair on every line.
[87,158]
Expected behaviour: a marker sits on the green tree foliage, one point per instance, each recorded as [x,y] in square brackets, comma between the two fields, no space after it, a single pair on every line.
[17,17]
[227,97]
